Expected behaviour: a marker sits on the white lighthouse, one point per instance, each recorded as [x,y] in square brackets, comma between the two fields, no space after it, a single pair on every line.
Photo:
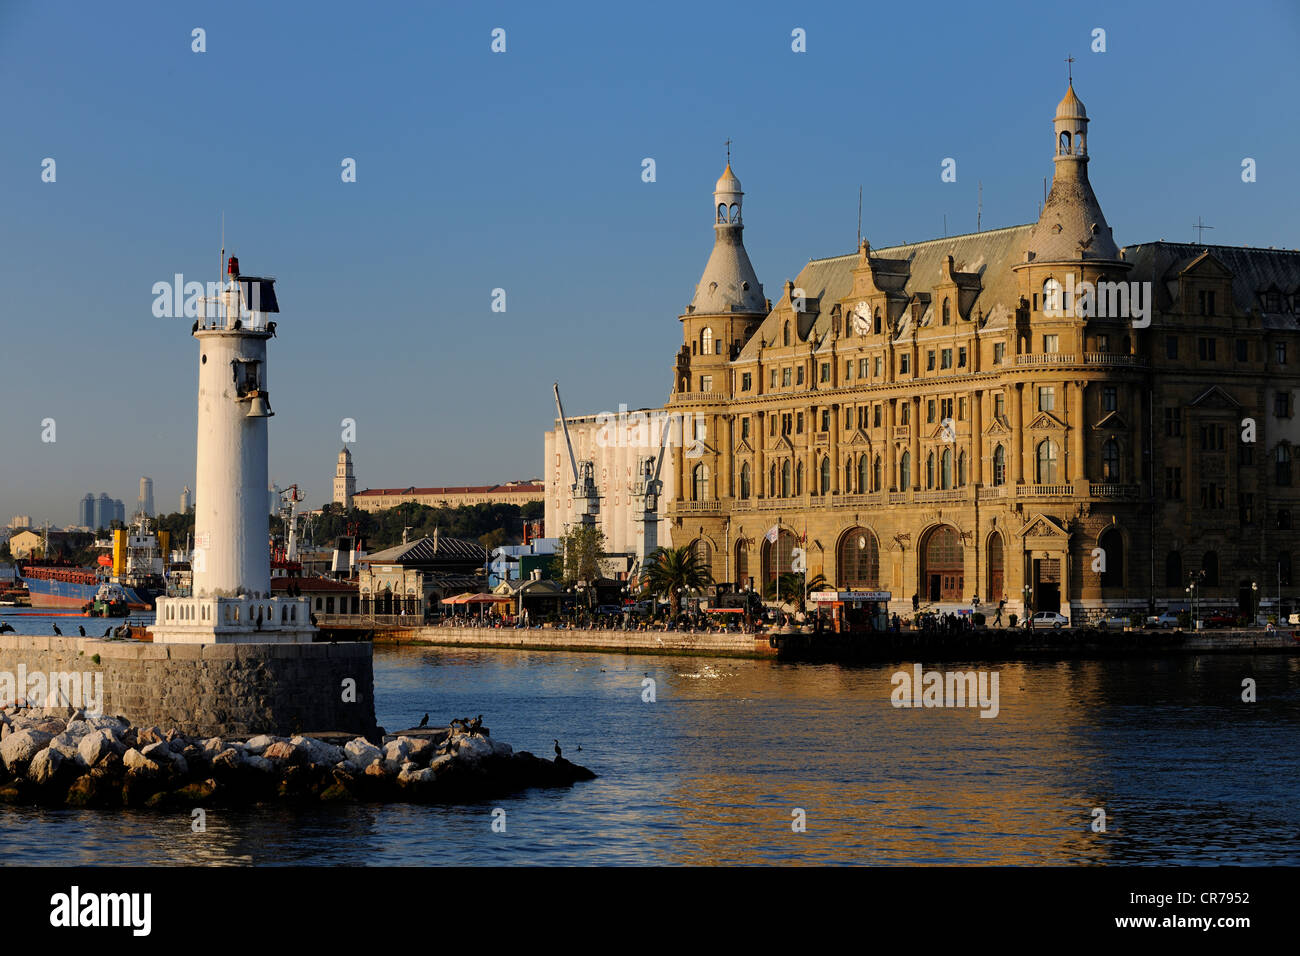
[231,599]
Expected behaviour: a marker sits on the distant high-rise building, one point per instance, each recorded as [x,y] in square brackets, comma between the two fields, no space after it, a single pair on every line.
[187,501]
[345,482]
[119,511]
[103,511]
[145,503]
[86,511]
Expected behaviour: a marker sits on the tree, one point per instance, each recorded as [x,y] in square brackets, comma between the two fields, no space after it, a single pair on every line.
[794,589]
[671,571]
[581,548]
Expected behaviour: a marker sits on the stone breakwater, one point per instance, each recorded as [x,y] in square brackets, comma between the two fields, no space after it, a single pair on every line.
[207,689]
[80,761]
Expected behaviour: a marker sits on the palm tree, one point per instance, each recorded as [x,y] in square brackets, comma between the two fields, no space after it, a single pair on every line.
[794,589]
[670,571]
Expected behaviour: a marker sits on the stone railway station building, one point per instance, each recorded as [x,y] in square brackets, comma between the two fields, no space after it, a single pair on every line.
[962,417]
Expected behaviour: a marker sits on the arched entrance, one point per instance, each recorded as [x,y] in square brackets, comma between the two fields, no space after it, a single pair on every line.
[942,565]
[859,560]
[996,565]
[742,563]
[778,556]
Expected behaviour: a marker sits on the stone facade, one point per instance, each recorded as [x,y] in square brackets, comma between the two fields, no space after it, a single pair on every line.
[1029,413]
[214,689]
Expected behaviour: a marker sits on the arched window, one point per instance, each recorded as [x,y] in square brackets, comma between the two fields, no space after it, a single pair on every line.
[1210,565]
[1046,462]
[722,212]
[929,470]
[942,565]
[700,483]
[945,471]
[961,470]
[1051,296]
[785,334]
[744,480]
[875,474]
[703,554]
[859,560]
[771,481]
[778,558]
[1174,569]
[1110,460]
[798,480]
[742,563]
[735,212]
[1111,543]
[785,478]
[905,471]
[864,475]
[947,313]
[1064,147]
[826,475]
[999,465]
[706,341]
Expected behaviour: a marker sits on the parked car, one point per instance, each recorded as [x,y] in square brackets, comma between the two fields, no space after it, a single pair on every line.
[1112,622]
[1167,619]
[1050,619]
[1221,620]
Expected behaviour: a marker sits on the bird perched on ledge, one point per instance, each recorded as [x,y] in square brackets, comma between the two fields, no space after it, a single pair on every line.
[558,754]
[81,628]
[56,630]
[424,721]
[6,628]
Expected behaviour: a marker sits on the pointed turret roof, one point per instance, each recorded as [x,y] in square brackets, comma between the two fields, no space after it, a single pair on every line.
[729,283]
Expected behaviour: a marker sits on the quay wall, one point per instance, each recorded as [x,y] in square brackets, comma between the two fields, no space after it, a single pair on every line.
[555,639]
[214,689]
[990,644]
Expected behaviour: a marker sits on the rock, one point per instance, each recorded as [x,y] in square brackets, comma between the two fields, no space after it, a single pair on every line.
[259,763]
[317,751]
[473,748]
[96,745]
[258,744]
[78,728]
[161,753]
[438,764]
[361,753]
[149,735]
[66,744]
[376,769]
[214,745]
[50,726]
[118,724]
[414,777]
[228,759]
[5,730]
[138,763]
[200,791]
[20,747]
[419,749]
[395,752]
[44,766]
[281,751]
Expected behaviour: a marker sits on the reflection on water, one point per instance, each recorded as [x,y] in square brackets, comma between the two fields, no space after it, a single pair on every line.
[712,770]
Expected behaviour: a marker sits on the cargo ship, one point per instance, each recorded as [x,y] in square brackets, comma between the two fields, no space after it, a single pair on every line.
[137,566]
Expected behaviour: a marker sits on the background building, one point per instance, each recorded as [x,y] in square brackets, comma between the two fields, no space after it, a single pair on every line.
[1029,413]
[345,480]
[86,512]
[144,504]
[187,500]
[512,492]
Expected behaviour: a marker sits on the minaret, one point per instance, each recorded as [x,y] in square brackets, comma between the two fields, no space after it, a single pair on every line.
[345,482]
[231,593]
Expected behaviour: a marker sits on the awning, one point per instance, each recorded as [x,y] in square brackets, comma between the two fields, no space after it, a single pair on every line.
[486,599]
[724,610]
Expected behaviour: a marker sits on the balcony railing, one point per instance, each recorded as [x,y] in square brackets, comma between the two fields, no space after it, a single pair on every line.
[1111,358]
[697,506]
[1046,358]
[1112,491]
[992,492]
[898,497]
[941,494]
[1044,491]
[851,501]
[902,431]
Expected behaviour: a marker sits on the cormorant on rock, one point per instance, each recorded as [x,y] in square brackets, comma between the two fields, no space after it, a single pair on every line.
[424,721]
[579,748]
[270,327]
[475,725]
[6,628]
[238,324]
[108,630]
[558,755]
[56,630]
[195,328]
[82,629]
[454,723]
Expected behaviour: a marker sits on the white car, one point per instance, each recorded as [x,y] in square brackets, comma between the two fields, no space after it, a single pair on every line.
[1049,619]
[1112,622]
[1167,619]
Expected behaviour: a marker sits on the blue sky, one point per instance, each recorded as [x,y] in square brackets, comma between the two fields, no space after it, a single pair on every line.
[522,171]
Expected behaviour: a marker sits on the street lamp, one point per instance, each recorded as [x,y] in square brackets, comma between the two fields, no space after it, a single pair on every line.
[1254,603]
[1028,590]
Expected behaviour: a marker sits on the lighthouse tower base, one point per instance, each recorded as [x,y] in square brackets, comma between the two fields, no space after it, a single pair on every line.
[233,620]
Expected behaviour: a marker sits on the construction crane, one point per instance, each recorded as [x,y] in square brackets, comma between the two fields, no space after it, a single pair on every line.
[586,498]
[646,492]
[289,498]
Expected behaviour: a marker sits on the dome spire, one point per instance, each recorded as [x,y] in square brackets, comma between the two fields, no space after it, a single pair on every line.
[729,283]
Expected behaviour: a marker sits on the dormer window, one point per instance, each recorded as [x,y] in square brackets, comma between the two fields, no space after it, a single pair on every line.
[947,314]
